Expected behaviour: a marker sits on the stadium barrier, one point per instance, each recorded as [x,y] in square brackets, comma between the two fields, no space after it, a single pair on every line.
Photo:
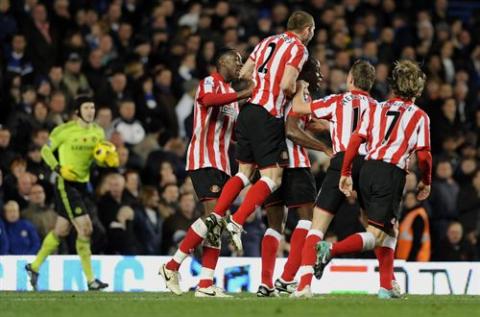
[139,273]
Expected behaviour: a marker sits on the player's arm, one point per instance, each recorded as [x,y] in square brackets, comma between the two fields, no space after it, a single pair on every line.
[301,137]
[211,96]
[424,158]
[301,101]
[247,69]
[54,141]
[288,83]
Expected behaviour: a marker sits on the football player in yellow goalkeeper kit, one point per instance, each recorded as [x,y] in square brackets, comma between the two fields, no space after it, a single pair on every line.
[74,142]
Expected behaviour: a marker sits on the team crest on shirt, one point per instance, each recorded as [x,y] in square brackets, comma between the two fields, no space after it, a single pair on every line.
[215,188]
[24,233]
[284,155]
[78,210]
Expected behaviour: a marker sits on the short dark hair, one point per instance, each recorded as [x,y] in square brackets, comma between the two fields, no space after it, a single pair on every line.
[363,74]
[220,53]
[310,74]
[299,20]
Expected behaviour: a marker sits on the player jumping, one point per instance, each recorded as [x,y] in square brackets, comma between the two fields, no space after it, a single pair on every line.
[274,65]
[296,192]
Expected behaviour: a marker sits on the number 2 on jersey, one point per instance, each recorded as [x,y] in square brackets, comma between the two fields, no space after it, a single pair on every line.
[269,53]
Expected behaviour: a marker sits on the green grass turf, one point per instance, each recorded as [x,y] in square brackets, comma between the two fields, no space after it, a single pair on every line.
[52,304]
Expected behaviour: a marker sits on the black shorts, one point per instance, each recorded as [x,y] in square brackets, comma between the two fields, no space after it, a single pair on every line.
[208,182]
[330,198]
[381,187]
[298,188]
[260,138]
[69,199]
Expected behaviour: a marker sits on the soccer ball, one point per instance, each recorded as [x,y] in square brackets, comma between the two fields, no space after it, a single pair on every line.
[101,150]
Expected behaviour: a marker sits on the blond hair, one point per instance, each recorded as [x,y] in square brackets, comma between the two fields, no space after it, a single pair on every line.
[408,79]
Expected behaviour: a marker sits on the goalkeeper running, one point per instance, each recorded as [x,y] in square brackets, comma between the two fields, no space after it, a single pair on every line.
[74,143]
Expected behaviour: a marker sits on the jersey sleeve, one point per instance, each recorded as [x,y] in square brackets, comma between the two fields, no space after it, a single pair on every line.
[55,139]
[206,86]
[298,56]
[423,134]
[324,108]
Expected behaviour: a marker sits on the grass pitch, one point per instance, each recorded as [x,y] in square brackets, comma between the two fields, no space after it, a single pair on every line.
[79,304]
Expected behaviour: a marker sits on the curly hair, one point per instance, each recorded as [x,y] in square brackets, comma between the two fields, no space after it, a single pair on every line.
[407,80]
[311,74]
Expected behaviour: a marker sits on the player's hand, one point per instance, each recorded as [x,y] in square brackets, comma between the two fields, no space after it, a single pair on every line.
[346,185]
[67,173]
[328,152]
[247,92]
[423,191]
[112,159]
[302,85]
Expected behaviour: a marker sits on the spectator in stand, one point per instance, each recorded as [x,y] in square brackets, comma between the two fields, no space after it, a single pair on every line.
[22,236]
[169,200]
[469,204]
[41,215]
[21,193]
[414,243]
[131,129]
[443,199]
[18,62]
[112,200]
[454,247]
[121,237]
[179,222]
[4,244]
[149,222]
[6,152]
[42,39]
[132,188]
[58,108]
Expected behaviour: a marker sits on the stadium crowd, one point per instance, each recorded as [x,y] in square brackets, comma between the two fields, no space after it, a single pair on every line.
[142,61]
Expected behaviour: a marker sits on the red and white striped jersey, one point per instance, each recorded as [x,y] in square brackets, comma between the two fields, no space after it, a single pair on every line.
[297,155]
[394,130]
[212,128]
[271,56]
[344,112]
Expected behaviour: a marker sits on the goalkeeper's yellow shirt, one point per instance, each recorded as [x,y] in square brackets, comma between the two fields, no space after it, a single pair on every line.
[74,145]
